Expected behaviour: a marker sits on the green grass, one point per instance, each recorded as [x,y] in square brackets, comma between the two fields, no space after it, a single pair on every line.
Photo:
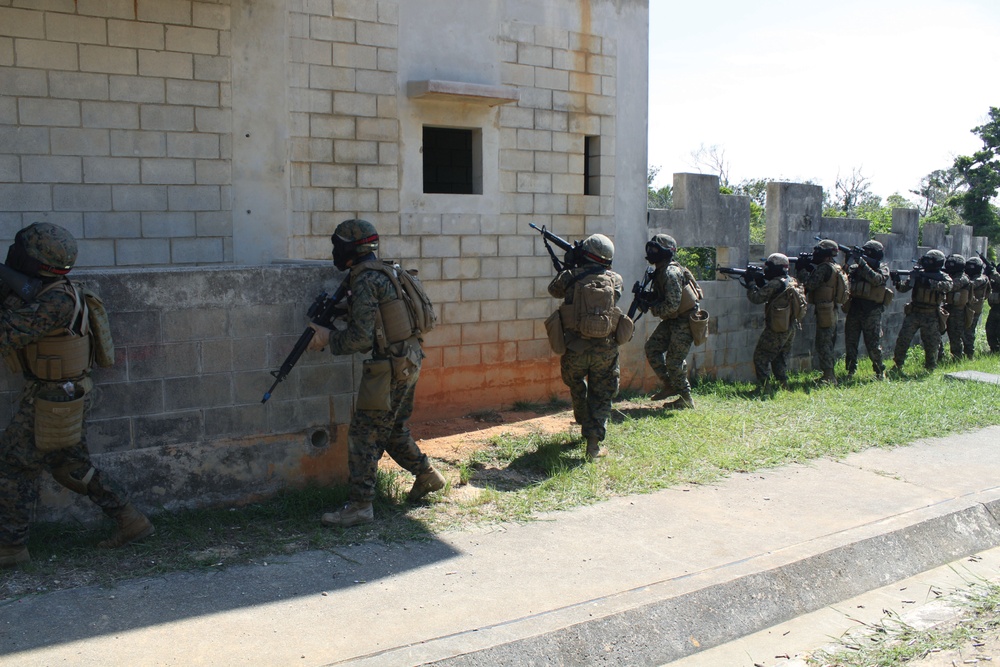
[892,642]
[734,428]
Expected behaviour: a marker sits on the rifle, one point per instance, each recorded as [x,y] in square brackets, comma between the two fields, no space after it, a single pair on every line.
[989,265]
[641,301]
[20,284]
[938,276]
[751,273]
[569,260]
[849,251]
[323,311]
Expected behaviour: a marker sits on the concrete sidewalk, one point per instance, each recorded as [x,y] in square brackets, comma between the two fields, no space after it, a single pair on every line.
[640,580]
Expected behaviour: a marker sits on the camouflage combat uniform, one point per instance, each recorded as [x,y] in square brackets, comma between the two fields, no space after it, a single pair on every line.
[955,304]
[773,347]
[979,291]
[826,337]
[373,432]
[21,462]
[864,315]
[589,366]
[668,346]
[993,317]
[922,314]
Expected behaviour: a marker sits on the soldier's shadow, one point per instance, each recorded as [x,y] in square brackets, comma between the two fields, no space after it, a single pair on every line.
[555,455]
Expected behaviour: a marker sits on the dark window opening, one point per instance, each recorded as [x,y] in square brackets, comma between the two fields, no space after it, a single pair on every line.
[452,161]
[592,165]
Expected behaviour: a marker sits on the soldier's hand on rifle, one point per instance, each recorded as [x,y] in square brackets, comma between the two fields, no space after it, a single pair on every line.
[320,339]
[988,269]
[803,262]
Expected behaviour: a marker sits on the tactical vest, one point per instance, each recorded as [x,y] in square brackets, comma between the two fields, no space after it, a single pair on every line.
[832,290]
[862,289]
[691,294]
[394,321]
[65,353]
[979,290]
[993,296]
[923,295]
[957,299]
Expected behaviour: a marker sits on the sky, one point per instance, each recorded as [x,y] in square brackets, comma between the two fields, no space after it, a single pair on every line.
[800,90]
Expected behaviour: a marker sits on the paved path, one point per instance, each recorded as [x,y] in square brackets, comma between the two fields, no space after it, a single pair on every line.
[639,580]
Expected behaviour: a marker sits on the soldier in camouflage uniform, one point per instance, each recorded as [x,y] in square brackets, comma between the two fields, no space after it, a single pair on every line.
[668,346]
[929,284]
[993,300]
[825,286]
[979,293]
[374,428]
[775,342]
[955,303]
[868,277]
[47,252]
[590,365]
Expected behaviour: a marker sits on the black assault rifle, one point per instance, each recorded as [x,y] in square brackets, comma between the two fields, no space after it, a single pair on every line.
[323,311]
[989,265]
[571,249]
[643,296]
[917,271]
[20,284]
[751,273]
[856,252]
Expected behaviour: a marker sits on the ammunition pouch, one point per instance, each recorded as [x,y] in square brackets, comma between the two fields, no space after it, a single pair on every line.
[396,321]
[58,424]
[826,316]
[375,392]
[698,322]
[624,329]
[554,330]
[957,299]
[927,297]
[689,300]
[778,315]
[406,364]
[58,357]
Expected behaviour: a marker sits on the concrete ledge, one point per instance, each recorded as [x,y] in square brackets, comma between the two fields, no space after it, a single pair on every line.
[974,376]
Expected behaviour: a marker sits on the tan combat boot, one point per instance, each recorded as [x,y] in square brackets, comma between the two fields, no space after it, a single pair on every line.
[132,525]
[828,378]
[14,555]
[594,449]
[353,513]
[426,482]
[683,402]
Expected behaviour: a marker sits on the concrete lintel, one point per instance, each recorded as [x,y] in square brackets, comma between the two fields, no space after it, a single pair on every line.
[458,91]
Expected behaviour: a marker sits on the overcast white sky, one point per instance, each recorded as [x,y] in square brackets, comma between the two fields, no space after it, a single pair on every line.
[803,89]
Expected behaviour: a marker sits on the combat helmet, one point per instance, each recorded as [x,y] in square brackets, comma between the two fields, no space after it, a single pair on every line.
[660,248]
[352,239]
[42,249]
[825,249]
[776,265]
[597,248]
[974,267]
[874,249]
[932,260]
[955,264]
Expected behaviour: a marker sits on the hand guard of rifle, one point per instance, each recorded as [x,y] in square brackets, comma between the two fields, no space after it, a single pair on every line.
[325,309]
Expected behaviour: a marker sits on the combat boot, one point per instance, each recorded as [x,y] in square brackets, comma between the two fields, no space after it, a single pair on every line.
[594,449]
[131,525]
[353,513]
[662,395]
[828,378]
[426,482]
[14,554]
[683,402]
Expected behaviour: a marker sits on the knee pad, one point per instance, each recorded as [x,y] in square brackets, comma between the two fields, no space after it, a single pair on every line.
[64,475]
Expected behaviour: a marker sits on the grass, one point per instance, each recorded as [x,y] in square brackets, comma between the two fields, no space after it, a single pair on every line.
[893,642]
[734,428]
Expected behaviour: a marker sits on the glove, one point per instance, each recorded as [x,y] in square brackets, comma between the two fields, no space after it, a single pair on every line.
[803,262]
[989,270]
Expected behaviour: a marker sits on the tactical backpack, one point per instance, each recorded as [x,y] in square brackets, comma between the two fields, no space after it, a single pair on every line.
[411,313]
[593,313]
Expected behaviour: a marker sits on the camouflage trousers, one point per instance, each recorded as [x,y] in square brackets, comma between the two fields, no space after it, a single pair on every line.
[927,323]
[993,328]
[667,350]
[592,377]
[969,336]
[374,432]
[771,354]
[956,333]
[21,465]
[864,319]
[826,343]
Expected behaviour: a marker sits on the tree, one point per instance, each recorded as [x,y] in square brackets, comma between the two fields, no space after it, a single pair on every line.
[713,160]
[980,174]
[756,190]
[852,191]
[661,198]
[937,187]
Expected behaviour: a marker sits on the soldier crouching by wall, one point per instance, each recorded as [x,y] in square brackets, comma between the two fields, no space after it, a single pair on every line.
[376,310]
[589,362]
[47,338]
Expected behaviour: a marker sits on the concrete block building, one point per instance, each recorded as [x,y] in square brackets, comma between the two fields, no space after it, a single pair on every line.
[203,151]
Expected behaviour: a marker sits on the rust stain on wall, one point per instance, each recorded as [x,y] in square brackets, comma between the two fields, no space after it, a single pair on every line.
[329,464]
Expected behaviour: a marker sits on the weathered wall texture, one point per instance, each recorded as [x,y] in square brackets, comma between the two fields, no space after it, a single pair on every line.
[190,145]
[702,217]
